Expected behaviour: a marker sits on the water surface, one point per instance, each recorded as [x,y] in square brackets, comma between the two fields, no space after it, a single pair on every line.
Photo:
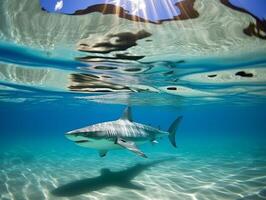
[61,72]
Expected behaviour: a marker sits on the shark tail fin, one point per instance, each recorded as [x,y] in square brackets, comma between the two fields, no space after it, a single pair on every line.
[172,130]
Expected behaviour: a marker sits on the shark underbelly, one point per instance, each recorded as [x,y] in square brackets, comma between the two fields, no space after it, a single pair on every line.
[105,144]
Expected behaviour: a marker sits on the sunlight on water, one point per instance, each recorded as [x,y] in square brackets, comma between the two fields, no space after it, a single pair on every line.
[188,80]
[66,65]
[203,60]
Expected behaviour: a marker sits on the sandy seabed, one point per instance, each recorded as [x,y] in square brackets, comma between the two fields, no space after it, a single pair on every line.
[184,176]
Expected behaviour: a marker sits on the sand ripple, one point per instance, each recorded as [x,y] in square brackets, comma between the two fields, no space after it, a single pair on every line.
[80,176]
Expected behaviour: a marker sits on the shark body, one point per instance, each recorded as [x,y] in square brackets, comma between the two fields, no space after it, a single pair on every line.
[121,133]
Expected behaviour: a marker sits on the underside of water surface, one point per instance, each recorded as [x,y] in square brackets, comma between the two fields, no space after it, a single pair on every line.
[66,65]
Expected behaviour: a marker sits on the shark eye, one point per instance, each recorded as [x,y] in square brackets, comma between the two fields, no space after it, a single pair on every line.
[123,140]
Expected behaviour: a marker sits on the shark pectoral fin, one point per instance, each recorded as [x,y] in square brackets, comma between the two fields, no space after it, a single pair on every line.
[129,145]
[102,153]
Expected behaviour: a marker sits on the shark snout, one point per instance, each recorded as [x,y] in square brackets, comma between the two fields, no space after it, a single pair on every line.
[71,132]
[76,136]
[72,135]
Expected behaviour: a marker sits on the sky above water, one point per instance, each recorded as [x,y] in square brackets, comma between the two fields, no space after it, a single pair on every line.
[149,9]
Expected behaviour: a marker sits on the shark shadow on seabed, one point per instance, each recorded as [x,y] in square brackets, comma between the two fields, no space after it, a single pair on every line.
[106,179]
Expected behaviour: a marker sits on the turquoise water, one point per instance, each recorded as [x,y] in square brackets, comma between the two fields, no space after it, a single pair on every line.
[220,154]
[59,73]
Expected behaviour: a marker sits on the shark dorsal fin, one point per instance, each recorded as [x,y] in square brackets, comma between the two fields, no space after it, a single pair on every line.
[127,114]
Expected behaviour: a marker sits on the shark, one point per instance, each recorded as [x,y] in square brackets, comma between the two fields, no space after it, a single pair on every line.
[122,133]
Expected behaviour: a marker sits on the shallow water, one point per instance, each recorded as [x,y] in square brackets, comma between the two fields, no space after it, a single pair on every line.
[74,174]
[220,154]
[62,72]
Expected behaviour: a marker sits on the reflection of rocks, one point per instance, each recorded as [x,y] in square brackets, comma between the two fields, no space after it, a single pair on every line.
[186,8]
[104,58]
[244,74]
[113,42]
[93,83]
[128,57]
[258,29]
[185,91]
[104,84]
[110,9]
[230,76]
[118,68]
[202,36]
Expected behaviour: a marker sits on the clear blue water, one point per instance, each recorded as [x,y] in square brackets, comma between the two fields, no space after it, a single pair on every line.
[220,154]
[215,79]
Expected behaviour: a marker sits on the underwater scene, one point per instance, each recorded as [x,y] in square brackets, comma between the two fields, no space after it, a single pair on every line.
[133,99]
